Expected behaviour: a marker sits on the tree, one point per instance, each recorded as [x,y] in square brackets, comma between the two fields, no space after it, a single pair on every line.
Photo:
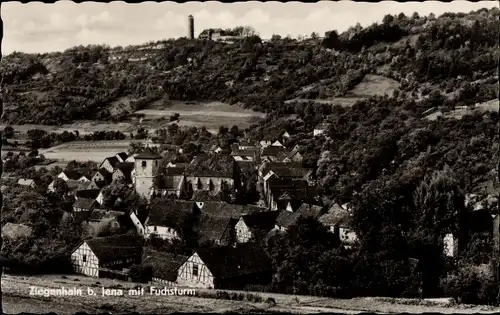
[8,132]
[388,19]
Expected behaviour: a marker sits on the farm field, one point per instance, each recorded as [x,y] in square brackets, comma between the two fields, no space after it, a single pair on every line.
[16,299]
[212,115]
[86,150]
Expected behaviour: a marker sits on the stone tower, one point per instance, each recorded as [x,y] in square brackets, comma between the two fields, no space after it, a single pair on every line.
[190,27]
[146,172]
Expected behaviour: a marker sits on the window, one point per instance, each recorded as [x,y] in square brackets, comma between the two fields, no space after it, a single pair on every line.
[84,258]
[144,163]
[195,270]
[155,229]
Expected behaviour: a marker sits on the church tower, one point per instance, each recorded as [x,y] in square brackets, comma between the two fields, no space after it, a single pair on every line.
[147,165]
[190,27]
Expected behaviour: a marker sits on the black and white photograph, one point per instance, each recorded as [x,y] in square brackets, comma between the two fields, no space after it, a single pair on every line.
[250,157]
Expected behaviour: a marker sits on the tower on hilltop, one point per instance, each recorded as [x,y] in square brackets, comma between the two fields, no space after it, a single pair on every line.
[190,27]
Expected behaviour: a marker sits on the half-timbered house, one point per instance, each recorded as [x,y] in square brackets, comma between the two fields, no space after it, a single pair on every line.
[226,267]
[338,221]
[165,266]
[99,256]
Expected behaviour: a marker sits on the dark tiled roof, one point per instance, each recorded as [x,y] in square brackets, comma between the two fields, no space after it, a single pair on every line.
[174,171]
[147,154]
[113,160]
[84,203]
[261,223]
[98,215]
[165,265]
[245,152]
[212,228]
[266,167]
[274,151]
[125,166]
[229,262]
[116,247]
[170,213]
[205,195]
[89,194]
[287,218]
[73,184]
[86,186]
[122,155]
[297,189]
[72,174]
[287,172]
[104,172]
[224,209]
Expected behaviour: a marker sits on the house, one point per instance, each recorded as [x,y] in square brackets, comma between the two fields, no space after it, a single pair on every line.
[274,153]
[249,154]
[282,172]
[277,143]
[166,218]
[122,157]
[294,155]
[216,223]
[287,218]
[211,180]
[109,164]
[265,144]
[98,256]
[265,167]
[138,224]
[96,217]
[102,176]
[74,185]
[320,129]
[450,244]
[255,227]
[87,186]
[14,231]
[88,194]
[123,172]
[338,221]
[131,158]
[69,174]
[27,183]
[165,266]
[83,179]
[296,189]
[177,164]
[84,205]
[226,267]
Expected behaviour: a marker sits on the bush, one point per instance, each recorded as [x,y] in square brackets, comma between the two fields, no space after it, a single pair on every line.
[471,284]
[141,274]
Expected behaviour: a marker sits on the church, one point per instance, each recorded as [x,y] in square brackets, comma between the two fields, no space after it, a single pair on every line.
[151,179]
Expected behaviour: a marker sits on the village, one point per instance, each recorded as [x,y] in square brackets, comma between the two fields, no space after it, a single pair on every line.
[232,234]
[230,252]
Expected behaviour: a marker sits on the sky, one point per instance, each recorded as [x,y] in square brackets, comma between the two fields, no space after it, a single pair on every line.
[37,27]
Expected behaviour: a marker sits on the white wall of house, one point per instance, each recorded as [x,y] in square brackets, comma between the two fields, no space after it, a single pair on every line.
[163,232]
[83,179]
[100,198]
[450,245]
[137,223]
[317,132]
[84,261]
[243,233]
[347,235]
[63,176]
[194,273]
[106,165]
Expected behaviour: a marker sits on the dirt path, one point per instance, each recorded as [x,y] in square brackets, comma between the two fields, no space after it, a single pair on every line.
[16,298]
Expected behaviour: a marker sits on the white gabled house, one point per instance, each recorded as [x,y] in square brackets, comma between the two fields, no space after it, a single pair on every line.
[27,183]
[137,223]
[96,255]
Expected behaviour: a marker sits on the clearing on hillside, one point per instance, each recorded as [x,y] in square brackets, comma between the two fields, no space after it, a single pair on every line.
[374,85]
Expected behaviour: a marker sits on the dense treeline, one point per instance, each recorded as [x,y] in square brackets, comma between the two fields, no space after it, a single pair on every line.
[97,82]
